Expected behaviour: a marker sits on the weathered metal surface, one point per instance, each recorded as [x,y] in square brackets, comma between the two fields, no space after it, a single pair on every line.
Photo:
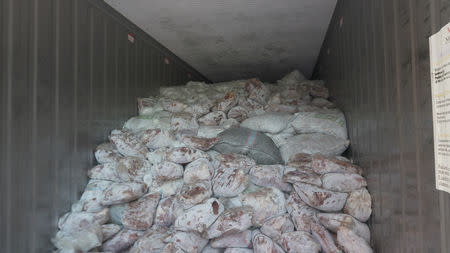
[375,59]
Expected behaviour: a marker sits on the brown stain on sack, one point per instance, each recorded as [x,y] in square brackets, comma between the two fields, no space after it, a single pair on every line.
[215,207]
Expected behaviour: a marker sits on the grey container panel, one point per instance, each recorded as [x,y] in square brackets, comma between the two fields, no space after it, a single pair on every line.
[376,65]
[68,76]
[3,118]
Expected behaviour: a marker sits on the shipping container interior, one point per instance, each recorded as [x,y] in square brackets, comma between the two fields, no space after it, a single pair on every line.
[71,72]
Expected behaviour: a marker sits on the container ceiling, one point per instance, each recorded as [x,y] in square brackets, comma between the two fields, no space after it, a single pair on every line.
[234,39]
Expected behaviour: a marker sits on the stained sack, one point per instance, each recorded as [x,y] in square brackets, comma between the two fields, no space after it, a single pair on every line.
[316,143]
[330,122]
[251,143]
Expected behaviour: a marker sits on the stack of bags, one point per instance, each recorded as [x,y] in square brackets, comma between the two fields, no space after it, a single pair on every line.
[164,183]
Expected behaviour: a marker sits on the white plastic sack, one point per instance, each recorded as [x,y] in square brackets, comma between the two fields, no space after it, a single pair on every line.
[84,240]
[185,92]
[193,92]
[268,122]
[238,87]
[160,119]
[184,124]
[330,122]
[257,91]
[253,108]
[148,106]
[294,77]
[317,143]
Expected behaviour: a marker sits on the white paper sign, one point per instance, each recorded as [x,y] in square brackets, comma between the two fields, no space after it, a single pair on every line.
[440,91]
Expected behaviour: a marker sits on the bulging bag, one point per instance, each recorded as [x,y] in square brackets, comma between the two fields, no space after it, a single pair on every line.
[317,143]
[156,120]
[330,122]
[272,122]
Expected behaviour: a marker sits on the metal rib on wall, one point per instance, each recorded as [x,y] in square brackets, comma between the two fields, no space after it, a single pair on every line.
[68,76]
[375,60]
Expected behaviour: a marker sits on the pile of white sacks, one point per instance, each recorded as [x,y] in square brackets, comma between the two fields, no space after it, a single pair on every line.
[161,187]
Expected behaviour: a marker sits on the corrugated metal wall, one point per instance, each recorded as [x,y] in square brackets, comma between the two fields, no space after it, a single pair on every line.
[375,60]
[68,76]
